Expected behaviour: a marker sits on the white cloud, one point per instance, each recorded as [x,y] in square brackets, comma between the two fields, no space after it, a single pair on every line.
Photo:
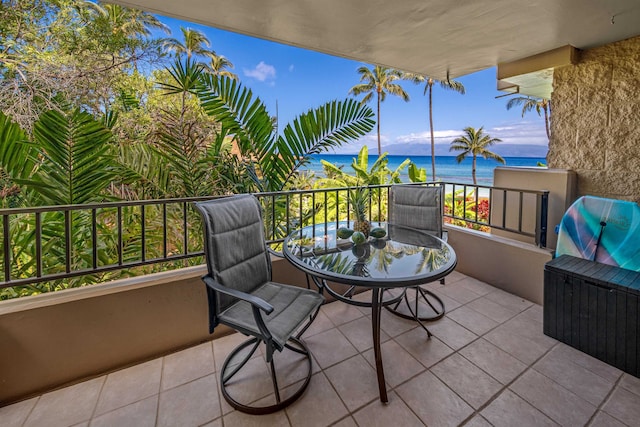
[440,137]
[262,72]
[520,133]
[291,68]
[511,133]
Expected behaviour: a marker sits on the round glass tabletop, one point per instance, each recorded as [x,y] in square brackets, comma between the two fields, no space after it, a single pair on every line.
[403,257]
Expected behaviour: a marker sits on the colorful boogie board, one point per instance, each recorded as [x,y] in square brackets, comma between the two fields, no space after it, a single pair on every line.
[602,230]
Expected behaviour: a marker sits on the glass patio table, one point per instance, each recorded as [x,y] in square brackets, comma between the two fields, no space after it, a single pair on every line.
[403,258]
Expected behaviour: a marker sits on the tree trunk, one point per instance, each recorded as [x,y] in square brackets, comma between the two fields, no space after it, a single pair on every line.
[433,143]
[473,170]
[379,145]
[546,122]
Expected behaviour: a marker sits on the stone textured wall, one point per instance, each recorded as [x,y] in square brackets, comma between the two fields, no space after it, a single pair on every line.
[595,127]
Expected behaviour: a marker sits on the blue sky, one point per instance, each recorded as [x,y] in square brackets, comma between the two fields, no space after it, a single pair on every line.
[297,80]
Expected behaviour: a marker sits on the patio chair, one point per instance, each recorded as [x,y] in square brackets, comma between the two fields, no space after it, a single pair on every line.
[419,208]
[241,295]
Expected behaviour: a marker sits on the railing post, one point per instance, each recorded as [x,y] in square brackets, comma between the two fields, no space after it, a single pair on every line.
[542,215]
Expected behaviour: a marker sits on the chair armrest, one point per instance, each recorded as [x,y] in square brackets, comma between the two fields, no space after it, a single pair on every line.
[253,300]
[273,252]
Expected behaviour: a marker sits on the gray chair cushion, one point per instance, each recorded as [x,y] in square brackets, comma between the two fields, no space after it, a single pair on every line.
[237,258]
[292,307]
[236,252]
[417,207]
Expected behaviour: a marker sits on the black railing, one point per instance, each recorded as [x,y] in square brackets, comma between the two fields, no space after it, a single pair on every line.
[58,244]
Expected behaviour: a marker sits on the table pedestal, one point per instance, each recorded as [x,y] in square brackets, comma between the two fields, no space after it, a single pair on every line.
[376,311]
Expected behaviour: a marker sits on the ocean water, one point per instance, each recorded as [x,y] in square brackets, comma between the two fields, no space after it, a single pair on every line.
[447,169]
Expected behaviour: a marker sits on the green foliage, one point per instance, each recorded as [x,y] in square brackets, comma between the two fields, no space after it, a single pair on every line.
[460,207]
[87,126]
[417,174]
[475,143]
[75,164]
[276,157]
[68,52]
[363,176]
[378,174]
[381,81]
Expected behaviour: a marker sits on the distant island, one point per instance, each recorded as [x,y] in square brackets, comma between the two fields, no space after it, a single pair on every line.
[505,150]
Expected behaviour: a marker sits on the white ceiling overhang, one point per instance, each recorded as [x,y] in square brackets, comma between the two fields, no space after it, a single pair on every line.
[431,37]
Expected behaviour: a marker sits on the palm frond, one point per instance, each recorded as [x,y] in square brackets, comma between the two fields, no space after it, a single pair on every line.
[246,119]
[16,157]
[185,77]
[77,165]
[316,131]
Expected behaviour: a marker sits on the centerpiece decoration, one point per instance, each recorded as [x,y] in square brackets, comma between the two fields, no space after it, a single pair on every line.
[359,204]
[359,200]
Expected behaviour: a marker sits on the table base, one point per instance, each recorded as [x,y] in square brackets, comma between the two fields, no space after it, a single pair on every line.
[432,308]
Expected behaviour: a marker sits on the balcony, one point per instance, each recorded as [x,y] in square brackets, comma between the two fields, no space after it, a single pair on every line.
[136,350]
[487,364]
[133,351]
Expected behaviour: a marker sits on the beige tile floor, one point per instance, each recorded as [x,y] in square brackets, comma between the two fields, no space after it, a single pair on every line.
[488,363]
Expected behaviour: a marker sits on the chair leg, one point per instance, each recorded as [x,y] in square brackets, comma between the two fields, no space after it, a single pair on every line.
[429,298]
[225,379]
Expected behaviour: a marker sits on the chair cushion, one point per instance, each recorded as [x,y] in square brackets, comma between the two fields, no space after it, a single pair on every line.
[416,207]
[292,306]
[235,247]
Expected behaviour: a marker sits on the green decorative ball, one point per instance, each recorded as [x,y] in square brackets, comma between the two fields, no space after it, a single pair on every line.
[344,232]
[358,238]
[377,232]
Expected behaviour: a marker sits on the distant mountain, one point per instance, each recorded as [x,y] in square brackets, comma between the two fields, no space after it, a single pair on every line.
[505,150]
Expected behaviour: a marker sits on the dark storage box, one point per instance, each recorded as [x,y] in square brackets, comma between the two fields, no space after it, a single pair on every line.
[594,307]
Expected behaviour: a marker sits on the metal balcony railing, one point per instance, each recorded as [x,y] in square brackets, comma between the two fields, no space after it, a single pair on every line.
[54,247]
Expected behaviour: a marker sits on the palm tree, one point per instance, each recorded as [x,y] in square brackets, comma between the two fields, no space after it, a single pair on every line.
[428,88]
[126,21]
[381,80]
[195,43]
[529,104]
[475,143]
[220,65]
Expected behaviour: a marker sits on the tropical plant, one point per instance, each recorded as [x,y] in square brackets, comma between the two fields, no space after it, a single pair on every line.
[73,159]
[378,174]
[428,89]
[188,144]
[380,80]
[69,53]
[359,202]
[417,174]
[363,176]
[69,160]
[529,104]
[195,43]
[124,21]
[273,158]
[465,210]
[221,66]
[475,143]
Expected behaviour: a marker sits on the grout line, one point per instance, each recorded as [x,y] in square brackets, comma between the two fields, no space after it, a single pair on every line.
[32,409]
[159,391]
[506,387]
[95,405]
[605,400]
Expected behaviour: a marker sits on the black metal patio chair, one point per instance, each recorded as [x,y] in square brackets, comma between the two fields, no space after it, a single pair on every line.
[241,295]
[419,208]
